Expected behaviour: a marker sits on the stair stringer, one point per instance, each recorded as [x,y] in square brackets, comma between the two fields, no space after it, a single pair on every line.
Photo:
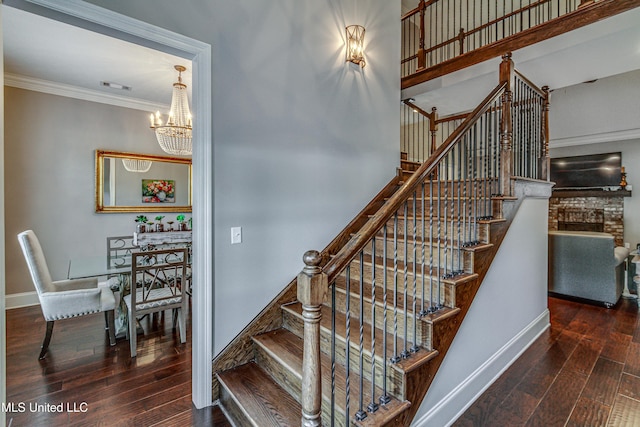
[419,380]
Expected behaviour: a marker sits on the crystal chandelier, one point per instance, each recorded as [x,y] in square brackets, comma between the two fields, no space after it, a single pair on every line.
[136,165]
[175,136]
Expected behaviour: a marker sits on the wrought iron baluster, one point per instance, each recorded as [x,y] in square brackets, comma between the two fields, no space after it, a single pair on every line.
[423,311]
[452,246]
[438,236]
[431,202]
[459,236]
[486,196]
[333,353]
[466,182]
[384,399]
[475,182]
[446,216]
[414,314]
[361,414]
[347,355]
[395,358]
[405,351]
[373,406]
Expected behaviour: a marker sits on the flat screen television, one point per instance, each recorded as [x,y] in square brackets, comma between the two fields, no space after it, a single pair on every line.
[594,171]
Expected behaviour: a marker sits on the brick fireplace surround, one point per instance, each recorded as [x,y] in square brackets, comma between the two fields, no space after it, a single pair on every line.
[588,214]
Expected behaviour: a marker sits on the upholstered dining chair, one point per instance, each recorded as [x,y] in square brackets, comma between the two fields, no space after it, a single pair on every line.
[157,278]
[64,299]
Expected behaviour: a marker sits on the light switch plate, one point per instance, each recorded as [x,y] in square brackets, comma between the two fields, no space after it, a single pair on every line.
[236,235]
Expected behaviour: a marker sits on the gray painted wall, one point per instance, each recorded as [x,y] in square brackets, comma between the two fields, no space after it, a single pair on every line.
[302,141]
[589,109]
[50,144]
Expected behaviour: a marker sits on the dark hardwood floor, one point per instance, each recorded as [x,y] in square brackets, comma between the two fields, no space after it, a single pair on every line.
[95,384]
[584,371]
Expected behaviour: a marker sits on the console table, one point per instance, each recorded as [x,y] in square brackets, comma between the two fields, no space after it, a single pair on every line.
[161,238]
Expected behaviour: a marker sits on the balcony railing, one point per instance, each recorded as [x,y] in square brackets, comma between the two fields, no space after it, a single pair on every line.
[439,30]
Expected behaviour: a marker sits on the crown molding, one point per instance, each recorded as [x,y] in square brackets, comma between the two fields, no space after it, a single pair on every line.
[69,91]
[617,135]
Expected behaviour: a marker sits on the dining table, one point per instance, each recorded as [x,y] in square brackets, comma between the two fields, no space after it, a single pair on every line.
[109,267]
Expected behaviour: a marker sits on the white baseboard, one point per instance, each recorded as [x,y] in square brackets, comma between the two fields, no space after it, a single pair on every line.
[452,406]
[23,299]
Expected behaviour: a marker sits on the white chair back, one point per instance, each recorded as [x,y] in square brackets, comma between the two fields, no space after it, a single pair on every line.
[36,261]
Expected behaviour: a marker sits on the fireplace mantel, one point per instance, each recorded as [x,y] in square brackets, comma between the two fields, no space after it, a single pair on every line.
[590,193]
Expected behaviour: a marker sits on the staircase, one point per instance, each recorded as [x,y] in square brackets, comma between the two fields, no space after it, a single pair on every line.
[358,337]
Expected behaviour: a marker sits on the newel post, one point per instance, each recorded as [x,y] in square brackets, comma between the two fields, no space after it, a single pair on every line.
[544,167]
[506,125]
[312,289]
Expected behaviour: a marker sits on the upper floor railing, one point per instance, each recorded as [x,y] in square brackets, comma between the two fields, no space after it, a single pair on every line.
[422,132]
[440,30]
[443,36]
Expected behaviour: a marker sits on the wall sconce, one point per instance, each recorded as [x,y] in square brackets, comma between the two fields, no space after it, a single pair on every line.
[355,45]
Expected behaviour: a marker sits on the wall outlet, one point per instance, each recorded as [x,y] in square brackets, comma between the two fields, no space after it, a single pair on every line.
[236,235]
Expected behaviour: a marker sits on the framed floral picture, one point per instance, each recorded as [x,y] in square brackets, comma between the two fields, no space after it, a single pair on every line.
[158,191]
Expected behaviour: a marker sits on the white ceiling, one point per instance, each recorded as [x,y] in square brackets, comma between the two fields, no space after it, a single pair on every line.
[41,52]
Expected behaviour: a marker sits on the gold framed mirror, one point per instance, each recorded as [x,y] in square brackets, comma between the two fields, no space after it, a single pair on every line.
[133,182]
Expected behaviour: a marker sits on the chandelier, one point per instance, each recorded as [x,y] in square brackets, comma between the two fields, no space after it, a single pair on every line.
[136,165]
[175,136]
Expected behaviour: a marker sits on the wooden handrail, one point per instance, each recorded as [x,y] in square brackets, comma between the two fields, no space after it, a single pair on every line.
[418,109]
[452,118]
[340,261]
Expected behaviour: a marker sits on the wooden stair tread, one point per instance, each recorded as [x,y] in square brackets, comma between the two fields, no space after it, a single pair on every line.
[287,347]
[491,220]
[401,238]
[260,398]
[443,313]
[458,279]
[354,333]
[354,330]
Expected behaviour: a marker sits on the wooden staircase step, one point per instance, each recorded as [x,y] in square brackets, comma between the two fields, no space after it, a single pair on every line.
[295,309]
[293,322]
[491,220]
[449,205]
[285,349]
[252,398]
[429,275]
[444,312]
[457,257]
[443,224]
